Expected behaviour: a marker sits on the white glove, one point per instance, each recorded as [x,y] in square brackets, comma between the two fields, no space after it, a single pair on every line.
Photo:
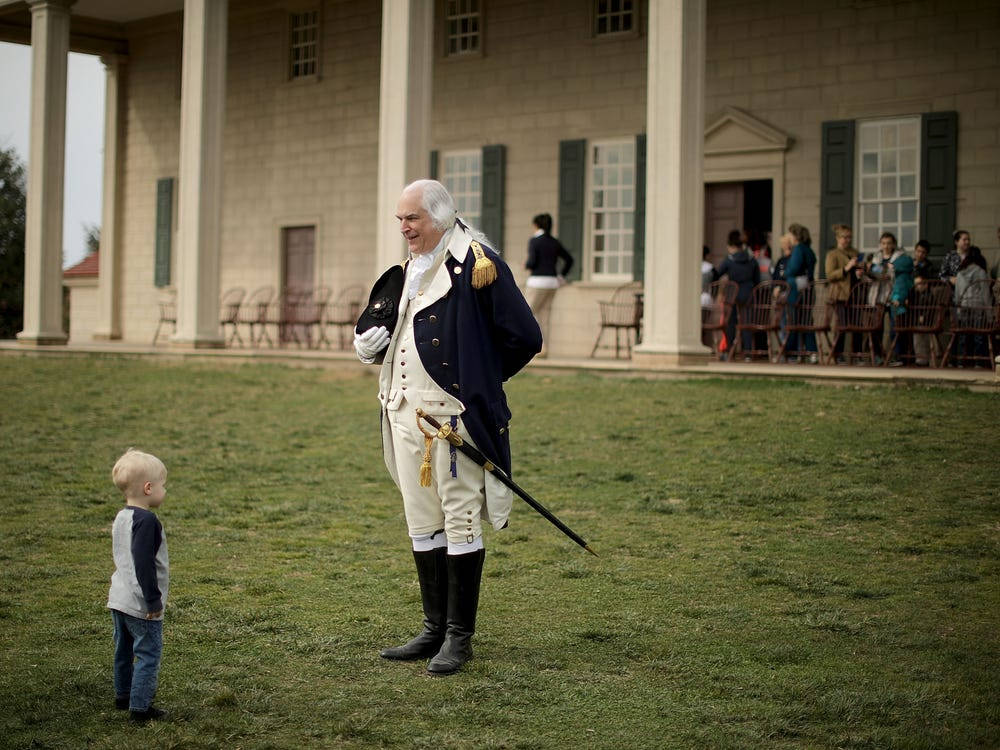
[370,343]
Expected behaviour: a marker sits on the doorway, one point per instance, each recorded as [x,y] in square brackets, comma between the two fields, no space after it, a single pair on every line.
[746,206]
[298,263]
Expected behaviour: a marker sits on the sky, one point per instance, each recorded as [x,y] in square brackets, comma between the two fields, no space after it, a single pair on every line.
[84,135]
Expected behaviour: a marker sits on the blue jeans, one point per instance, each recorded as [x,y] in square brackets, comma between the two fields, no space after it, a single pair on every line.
[141,641]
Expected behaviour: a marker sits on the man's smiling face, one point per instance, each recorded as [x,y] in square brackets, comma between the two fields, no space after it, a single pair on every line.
[415,223]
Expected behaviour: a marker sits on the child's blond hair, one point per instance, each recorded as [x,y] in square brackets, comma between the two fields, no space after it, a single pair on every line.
[134,469]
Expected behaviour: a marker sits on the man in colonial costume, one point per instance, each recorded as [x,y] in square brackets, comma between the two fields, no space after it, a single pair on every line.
[449,327]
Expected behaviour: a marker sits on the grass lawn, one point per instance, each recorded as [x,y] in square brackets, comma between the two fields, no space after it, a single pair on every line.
[781,565]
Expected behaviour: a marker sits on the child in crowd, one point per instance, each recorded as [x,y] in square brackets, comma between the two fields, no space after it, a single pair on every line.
[139,584]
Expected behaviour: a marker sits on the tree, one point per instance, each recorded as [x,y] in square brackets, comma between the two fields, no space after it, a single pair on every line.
[13,198]
[91,237]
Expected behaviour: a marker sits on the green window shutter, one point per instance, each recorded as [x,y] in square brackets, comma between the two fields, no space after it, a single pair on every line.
[492,194]
[433,166]
[639,228]
[572,175]
[164,230]
[836,201]
[938,179]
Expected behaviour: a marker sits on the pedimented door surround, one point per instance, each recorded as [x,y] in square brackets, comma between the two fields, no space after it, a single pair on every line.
[739,147]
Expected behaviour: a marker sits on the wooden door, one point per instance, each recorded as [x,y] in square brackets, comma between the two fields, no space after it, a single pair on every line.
[723,213]
[298,261]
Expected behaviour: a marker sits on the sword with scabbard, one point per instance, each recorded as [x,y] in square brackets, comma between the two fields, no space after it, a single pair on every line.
[445,432]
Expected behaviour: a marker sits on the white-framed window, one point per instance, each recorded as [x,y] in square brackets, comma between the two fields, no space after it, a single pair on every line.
[611,208]
[463,27]
[614,17]
[303,44]
[462,174]
[888,172]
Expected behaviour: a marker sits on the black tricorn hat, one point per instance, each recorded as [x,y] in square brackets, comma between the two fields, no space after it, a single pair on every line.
[383,302]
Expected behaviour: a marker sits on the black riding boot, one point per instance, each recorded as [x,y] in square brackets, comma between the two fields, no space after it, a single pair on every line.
[464,574]
[432,571]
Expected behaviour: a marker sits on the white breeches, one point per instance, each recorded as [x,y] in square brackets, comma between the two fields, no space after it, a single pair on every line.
[452,503]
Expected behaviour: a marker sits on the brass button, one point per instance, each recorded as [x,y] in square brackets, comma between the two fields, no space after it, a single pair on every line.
[402,364]
[458,270]
[435,342]
[404,377]
[441,402]
[444,364]
[420,294]
[433,318]
[455,386]
[502,430]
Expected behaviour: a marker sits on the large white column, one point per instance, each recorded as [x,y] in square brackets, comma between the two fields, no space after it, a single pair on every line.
[199,204]
[109,272]
[43,309]
[674,188]
[404,114]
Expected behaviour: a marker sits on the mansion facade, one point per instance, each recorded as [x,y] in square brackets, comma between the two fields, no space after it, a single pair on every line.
[264,142]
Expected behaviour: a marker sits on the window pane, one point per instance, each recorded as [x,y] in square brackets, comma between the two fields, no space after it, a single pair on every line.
[869,188]
[907,186]
[909,211]
[888,187]
[909,236]
[890,213]
[869,163]
[889,136]
[598,199]
[870,237]
[889,161]
[612,264]
[869,138]
[908,160]
[869,214]
[909,133]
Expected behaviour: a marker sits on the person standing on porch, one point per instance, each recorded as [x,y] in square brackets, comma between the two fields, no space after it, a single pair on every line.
[544,253]
[462,328]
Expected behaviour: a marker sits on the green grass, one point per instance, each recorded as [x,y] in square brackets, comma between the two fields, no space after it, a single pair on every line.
[781,566]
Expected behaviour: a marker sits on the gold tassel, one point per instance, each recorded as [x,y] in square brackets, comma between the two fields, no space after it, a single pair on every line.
[484,272]
[425,467]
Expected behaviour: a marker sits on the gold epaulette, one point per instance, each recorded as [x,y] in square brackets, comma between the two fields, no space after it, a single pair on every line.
[484,272]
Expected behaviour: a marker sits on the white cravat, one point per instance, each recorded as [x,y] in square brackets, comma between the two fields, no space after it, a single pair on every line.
[419,264]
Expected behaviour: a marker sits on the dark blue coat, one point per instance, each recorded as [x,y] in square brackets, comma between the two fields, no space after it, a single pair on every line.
[471,340]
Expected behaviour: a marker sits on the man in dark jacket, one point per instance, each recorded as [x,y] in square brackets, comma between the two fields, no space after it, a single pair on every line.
[462,329]
[742,269]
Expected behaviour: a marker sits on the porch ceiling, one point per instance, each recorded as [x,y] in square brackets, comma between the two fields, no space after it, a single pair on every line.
[111,11]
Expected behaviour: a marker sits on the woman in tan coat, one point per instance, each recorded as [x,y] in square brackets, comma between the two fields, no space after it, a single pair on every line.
[841,264]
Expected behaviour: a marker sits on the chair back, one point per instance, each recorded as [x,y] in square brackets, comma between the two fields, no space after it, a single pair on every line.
[254,307]
[763,311]
[811,311]
[229,304]
[863,314]
[925,308]
[715,316]
[976,311]
[625,308]
[346,308]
